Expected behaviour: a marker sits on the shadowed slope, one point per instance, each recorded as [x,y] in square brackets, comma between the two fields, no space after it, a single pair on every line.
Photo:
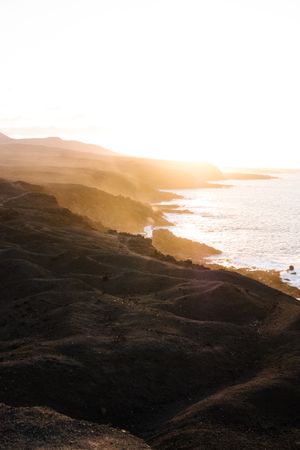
[101,327]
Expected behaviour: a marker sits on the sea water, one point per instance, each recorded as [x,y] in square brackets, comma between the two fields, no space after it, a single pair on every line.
[255,223]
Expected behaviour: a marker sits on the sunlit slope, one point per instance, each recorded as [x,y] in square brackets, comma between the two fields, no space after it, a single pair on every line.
[43,428]
[113,211]
[153,174]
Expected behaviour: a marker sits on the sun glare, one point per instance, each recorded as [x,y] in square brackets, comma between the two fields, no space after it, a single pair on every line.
[193,80]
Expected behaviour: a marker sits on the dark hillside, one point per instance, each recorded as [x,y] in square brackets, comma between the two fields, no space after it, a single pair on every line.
[99,327]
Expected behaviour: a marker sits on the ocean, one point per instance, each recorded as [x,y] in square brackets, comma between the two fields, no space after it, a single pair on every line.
[255,223]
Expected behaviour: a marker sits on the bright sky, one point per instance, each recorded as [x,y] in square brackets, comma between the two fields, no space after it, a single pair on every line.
[215,80]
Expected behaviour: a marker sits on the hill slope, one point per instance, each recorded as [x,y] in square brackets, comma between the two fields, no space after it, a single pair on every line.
[4,139]
[42,428]
[99,326]
[51,160]
[116,212]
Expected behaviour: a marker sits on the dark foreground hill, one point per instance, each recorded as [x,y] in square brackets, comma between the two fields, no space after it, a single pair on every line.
[44,429]
[100,327]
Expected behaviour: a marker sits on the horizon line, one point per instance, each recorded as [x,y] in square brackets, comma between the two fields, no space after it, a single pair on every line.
[125,154]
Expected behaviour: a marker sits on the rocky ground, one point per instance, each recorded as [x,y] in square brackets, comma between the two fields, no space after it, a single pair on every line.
[180,248]
[42,428]
[100,333]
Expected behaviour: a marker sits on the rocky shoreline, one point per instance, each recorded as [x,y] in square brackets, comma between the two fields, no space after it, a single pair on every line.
[184,249]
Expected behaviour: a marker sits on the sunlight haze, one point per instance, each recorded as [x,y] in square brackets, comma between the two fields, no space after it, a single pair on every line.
[198,80]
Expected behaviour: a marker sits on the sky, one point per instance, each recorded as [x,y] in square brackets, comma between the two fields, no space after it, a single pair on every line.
[208,80]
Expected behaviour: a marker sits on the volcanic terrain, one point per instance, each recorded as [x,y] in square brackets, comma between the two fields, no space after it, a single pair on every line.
[100,327]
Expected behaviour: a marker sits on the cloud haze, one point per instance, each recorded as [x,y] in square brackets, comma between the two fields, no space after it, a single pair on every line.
[210,79]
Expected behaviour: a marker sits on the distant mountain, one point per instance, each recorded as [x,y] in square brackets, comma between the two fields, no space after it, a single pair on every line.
[56,142]
[5,139]
[86,164]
